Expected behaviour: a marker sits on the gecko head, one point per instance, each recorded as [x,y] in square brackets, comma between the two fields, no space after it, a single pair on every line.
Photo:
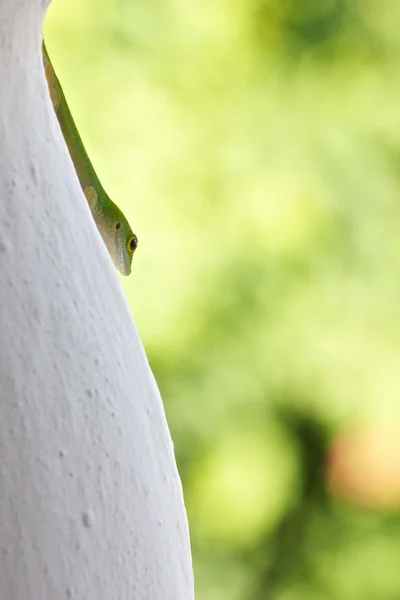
[123,247]
[118,236]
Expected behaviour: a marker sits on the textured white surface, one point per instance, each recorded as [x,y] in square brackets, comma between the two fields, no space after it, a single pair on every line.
[91,504]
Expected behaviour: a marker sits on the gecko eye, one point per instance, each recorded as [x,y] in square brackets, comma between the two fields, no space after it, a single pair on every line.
[117,226]
[132,243]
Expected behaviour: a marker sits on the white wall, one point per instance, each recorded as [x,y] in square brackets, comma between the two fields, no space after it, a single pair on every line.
[91,503]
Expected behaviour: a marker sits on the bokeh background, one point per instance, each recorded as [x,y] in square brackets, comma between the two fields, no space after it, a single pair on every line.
[255,147]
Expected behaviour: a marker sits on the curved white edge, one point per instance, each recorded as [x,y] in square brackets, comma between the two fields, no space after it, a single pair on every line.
[91,504]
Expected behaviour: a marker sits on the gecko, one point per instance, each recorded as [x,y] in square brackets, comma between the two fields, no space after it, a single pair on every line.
[112,224]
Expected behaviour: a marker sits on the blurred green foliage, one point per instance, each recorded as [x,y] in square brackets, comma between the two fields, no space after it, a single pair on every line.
[255,148]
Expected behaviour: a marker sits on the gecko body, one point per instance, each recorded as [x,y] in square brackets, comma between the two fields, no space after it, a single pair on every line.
[112,224]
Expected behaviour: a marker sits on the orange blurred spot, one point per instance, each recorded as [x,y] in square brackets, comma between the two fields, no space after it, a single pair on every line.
[363,467]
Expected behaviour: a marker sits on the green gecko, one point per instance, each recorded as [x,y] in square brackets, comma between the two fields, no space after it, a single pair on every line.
[112,224]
